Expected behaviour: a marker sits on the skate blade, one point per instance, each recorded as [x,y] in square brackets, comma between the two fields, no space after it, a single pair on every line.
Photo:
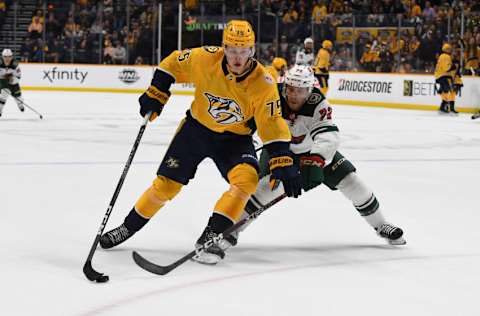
[397,242]
[205,258]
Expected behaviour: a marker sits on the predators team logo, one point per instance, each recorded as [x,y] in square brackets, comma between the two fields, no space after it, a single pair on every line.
[172,163]
[224,111]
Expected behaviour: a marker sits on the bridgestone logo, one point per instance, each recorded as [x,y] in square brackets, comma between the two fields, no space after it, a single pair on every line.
[365,86]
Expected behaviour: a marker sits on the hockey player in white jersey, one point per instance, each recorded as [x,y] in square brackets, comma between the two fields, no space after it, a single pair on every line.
[315,139]
[9,80]
[305,55]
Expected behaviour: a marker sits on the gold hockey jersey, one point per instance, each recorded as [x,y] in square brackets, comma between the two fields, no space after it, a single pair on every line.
[444,67]
[322,62]
[225,102]
[273,72]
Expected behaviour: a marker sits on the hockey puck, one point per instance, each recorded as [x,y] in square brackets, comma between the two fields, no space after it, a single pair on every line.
[102,279]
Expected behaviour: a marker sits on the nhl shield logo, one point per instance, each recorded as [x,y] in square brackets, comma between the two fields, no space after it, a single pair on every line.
[224,111]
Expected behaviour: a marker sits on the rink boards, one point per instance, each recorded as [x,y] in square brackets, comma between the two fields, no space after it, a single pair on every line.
[404,91]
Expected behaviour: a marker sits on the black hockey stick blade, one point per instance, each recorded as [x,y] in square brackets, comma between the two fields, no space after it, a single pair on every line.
[158,269]
[93,275]
[162,270]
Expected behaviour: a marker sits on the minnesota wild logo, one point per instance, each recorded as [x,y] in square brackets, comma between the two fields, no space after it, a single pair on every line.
[224,111]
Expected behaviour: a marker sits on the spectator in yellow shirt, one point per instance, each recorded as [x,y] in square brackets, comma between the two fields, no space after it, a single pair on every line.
[291,16]
[319,12]
[415,10]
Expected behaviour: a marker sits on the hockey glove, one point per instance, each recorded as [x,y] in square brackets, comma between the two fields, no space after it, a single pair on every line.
[153,101]
[311,168]
[283,169]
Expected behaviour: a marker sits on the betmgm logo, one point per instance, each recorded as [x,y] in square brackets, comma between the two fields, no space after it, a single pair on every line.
[413,88]
[224,111]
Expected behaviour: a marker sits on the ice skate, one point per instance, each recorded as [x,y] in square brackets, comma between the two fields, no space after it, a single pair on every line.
[115,237]
[393,234]
[212,254]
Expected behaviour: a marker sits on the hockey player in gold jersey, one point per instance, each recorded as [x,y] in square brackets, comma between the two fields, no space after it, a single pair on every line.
[322,64]
[234,94]
[444,78]
[277,69]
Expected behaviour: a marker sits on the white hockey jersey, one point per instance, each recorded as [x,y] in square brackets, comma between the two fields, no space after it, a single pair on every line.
[303,58]
[11,71]
[312,127]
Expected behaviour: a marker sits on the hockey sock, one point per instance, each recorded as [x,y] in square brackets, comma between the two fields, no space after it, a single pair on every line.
[219,222]
[134,221]
[362,198]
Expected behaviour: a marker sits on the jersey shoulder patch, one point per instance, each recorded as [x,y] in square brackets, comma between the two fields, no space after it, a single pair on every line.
[313,101]
[316,97]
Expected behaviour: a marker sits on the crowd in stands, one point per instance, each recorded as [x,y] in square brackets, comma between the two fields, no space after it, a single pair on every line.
[3,12]
[391,35]
[86,31]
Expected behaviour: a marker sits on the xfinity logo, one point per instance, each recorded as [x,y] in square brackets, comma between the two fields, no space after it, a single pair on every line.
[57,74]
[128,75]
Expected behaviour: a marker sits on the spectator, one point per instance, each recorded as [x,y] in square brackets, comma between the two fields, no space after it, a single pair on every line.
[119,55]
[415,10]
[3,12]
[55,51]
[429,12]
[319,12]
[71,28]
[35,28]
[39,50]
[108,53]
[39,15]
[52,27]
[26,51]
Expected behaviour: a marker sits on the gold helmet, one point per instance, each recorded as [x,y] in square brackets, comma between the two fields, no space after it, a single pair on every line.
[327,44]
[279,62]
[447,48]
[238,33]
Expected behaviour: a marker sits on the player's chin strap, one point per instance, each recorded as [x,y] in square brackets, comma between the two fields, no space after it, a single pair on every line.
[162,270]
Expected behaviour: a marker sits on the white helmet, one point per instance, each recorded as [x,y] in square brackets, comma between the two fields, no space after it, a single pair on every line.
[300,76]
[7,52]
[308,40]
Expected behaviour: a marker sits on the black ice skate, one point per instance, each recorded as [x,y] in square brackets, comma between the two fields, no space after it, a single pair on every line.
[214,253]
[393,234]
[444,108]
[115,237]
[452,108]
[475,116]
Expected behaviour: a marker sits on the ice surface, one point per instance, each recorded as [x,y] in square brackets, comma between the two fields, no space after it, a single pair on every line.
[312,256]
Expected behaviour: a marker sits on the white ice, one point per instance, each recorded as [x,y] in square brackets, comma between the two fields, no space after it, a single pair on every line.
[311,256]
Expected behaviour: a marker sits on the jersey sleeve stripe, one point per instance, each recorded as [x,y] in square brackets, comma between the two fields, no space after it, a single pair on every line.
[323,129]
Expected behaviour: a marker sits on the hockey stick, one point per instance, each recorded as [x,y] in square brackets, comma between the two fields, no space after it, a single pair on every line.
[88,270]
[33,110]
[26,105]
[162,270]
